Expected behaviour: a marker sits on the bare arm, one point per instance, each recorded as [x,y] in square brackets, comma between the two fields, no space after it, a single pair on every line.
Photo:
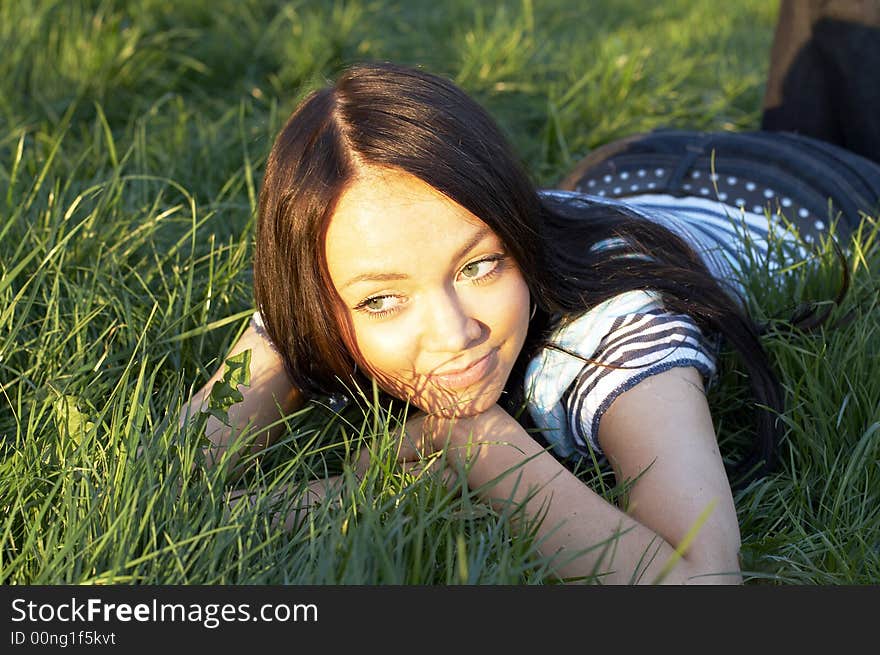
[663,422]
[270,396]
[662,430]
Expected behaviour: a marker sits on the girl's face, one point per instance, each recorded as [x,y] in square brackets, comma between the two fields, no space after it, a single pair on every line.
[438,308]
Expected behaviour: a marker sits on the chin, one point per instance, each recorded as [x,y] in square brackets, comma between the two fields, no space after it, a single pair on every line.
[444,402]
[462,406]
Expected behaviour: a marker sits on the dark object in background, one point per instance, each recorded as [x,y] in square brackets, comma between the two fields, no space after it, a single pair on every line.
[824,77]
[758,171]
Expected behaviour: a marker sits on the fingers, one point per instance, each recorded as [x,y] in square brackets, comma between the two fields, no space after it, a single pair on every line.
[417,449]
[415,441]
[424,435]
[415,456]
[433,466]
[362,462]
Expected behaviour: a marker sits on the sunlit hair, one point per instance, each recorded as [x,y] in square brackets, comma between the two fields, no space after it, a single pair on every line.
[402,118]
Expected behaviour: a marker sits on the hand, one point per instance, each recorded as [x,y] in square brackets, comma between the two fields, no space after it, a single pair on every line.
[429,433]
[491,438]
[414,458]
[425,436]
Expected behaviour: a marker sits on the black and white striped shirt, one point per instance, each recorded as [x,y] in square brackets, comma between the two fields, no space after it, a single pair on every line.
[632,336]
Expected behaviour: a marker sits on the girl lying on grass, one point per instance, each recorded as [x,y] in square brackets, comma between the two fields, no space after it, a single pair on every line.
[401,244]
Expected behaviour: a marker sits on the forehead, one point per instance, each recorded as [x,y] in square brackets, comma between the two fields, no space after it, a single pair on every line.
[389,219]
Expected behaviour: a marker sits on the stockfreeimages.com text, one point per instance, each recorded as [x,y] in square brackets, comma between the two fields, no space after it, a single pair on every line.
[210,615]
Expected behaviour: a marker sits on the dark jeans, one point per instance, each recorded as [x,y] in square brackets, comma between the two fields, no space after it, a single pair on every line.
[819,139]
[824,78]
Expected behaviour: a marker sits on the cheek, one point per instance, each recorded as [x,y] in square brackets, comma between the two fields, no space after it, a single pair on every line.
[380,352]
[507,312]
[387,350]
[522,306]
[389,356]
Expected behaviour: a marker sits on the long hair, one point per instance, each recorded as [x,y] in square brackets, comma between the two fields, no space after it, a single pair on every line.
[392,116]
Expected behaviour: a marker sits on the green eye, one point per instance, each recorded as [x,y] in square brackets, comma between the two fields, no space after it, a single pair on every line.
[471,270]
[380,306]
[482,269]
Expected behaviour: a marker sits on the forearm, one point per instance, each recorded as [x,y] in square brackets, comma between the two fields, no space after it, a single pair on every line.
[288,516]
[585,534]
[268,398]
[258,420]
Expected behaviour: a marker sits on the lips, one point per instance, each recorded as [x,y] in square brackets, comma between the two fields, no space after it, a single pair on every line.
[470,375]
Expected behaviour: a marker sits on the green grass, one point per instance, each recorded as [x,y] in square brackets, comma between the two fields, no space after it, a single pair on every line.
[132,140]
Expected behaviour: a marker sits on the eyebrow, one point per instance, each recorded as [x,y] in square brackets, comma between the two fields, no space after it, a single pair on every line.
[382,277]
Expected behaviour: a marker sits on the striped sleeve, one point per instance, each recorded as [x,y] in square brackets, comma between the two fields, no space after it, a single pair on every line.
[636,347]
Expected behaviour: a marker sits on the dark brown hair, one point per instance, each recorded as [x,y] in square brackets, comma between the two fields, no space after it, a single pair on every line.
[392,116]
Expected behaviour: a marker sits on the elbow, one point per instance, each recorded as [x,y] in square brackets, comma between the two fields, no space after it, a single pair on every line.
[715,568]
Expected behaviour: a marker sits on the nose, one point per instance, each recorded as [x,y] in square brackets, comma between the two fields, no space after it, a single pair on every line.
[449,326]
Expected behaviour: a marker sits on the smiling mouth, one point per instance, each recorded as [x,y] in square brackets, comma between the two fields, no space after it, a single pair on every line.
[472,374]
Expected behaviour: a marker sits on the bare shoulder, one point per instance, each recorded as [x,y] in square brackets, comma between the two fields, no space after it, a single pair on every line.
[269,381]
[265,360]
[664,412]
